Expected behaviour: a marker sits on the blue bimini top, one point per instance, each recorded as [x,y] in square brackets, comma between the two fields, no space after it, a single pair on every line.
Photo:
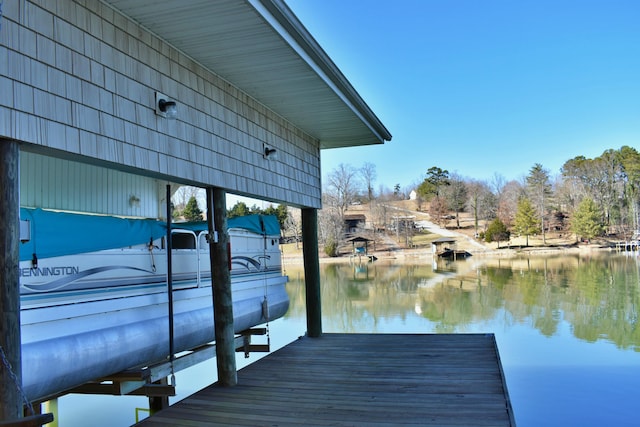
[62,233]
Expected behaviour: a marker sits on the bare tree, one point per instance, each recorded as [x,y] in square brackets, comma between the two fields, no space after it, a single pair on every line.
[342,188]
[481,201]
[330,230]
[385,193]
[438,210]
[456,195]
[601,178]
[567,193]
[611,183]
[379,215]
[497,184]
[293,224]
[182,195]
[369,175]
[508,201]
[630,159]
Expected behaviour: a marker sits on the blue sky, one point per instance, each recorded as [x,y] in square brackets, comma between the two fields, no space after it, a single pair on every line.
[484,87]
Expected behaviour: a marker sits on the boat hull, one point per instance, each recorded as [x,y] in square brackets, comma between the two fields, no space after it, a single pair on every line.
[110,340]
[86,316]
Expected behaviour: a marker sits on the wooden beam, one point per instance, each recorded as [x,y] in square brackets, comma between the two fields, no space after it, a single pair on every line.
[31,421]
[131,388]
[162,370]
[144,381]
[220,258]
[311,271]
[11,401]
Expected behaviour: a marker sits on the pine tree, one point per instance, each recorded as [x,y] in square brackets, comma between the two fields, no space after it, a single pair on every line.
[192,212]
[496,232]
[539,190]
[587,221]
[526,222]
[280,212]
[239,209]
[434,182]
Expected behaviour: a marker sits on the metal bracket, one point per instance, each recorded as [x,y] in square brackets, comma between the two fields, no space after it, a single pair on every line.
[247,347]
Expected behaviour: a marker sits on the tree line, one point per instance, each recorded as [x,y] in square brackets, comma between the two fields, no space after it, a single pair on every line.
[588,198]
[185,207]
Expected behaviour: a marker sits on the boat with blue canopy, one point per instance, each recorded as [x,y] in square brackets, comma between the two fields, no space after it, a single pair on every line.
[94,291]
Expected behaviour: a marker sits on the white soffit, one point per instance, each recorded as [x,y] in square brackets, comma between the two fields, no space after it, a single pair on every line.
[260,47]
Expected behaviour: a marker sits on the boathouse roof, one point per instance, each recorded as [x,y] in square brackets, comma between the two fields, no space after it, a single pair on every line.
[261,47]
[444,240]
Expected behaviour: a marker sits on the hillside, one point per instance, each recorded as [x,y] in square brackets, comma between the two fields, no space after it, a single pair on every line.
[417,243]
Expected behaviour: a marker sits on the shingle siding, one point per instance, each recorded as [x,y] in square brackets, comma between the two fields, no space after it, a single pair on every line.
[79,78]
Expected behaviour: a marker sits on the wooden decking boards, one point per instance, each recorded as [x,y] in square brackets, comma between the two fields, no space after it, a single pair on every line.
[359,380]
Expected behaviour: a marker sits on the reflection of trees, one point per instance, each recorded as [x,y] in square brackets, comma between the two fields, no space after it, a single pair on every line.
[597,296]
[353,304]
[607,301]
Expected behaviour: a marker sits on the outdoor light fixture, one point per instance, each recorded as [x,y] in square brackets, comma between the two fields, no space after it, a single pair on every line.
[270,153]
[166,107]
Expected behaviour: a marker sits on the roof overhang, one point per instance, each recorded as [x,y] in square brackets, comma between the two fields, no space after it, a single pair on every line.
[260,47]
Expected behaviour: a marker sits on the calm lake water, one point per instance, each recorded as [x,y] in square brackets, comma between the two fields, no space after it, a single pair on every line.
[566,326]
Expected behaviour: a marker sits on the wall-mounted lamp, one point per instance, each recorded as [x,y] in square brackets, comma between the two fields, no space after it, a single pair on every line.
[134,201]
[166,107]
[270,153]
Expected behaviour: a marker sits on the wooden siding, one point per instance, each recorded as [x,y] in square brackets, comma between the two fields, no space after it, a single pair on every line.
[77,77]
[359,380]
[52,183]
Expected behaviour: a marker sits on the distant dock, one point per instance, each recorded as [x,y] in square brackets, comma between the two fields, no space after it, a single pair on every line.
[359,380]
[628,246]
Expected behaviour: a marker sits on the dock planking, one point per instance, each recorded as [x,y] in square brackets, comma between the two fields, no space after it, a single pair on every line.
[359,380]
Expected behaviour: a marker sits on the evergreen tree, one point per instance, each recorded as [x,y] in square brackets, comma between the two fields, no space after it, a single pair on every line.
[281,212]
[497,232]
[396,191]
[587,220]
[434,182]
[239,209]
[539,189]
[192,212]
[526,222]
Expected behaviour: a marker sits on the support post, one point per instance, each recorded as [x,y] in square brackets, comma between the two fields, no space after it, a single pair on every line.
[10,379]
[51,407]
[170,277]
[220,258]
[158,403]
[311,271]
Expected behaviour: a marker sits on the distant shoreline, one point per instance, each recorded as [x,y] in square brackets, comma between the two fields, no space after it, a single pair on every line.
[407,255]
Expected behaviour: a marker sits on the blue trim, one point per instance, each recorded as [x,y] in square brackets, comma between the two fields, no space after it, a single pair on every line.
[62,233]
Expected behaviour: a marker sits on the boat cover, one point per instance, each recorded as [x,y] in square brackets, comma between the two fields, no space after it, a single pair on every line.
[266,225]
[62,233]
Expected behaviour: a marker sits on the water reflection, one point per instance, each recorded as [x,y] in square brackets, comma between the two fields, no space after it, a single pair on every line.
[566,328]
[598,295]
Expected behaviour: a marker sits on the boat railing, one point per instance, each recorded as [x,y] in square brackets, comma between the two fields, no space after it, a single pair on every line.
[187,240]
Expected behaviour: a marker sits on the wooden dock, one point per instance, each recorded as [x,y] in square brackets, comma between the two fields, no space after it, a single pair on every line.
[359,380]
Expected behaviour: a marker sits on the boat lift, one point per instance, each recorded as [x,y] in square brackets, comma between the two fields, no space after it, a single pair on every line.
[150,380]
